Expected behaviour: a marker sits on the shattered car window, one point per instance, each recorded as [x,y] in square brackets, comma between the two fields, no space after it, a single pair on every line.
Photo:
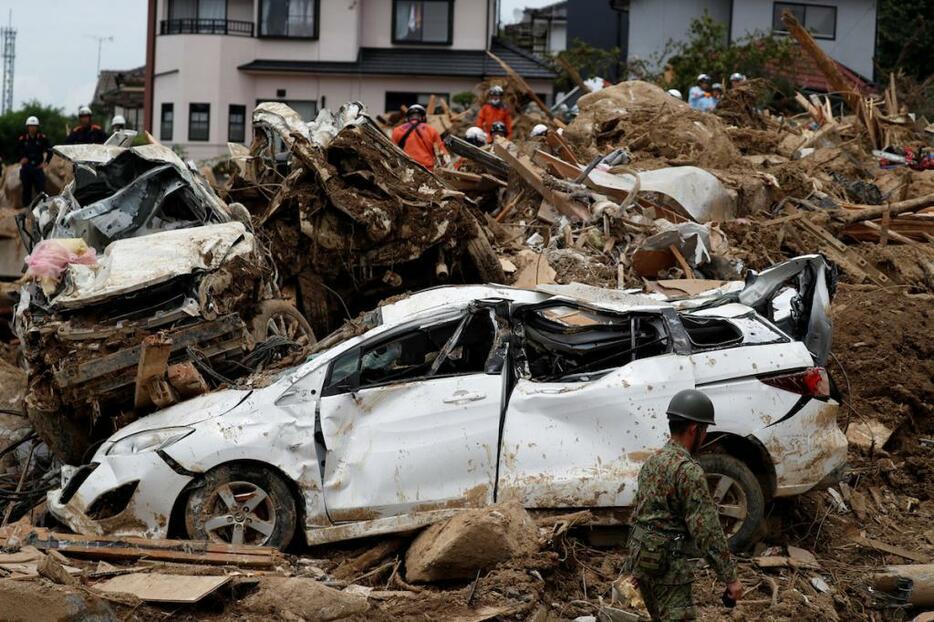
[410,355]
[709,332]
[563,345]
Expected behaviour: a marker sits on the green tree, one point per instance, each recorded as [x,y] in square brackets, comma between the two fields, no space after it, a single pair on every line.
[708,50]
[905,33]
[53,123]
[589,61]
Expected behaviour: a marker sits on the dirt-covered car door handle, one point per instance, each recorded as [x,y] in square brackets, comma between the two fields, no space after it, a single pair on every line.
[463,396]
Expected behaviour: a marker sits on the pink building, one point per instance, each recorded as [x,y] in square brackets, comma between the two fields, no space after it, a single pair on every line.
[209,62]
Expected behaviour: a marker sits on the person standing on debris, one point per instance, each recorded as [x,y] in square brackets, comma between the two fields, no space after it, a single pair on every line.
[737,79]
[716,92]
[34,152]
[118,123]
[699,97]
[673,505]
[419,140]
[86,132]
[494,111]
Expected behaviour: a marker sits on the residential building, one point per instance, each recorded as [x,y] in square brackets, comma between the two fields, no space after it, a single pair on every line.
[845,29]
[644,29]
[121,92]
[212,61]
[542,31]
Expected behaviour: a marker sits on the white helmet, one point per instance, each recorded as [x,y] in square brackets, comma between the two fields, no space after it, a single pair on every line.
[32,121]
[716,86]
[703,78]
[118,120]
[737,77]
[84,110]
[476,136]
[496,90]
[675,93]
[540,129]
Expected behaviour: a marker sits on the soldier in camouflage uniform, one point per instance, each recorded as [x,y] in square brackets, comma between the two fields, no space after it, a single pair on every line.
[672,507]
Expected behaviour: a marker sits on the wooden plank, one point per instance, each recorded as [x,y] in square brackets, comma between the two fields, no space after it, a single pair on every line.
[524,167]
[884,228]
[487,160]
[189,546]
[557,166]
[682,262]
[573,73]
[842,254]
[557,143]
[431,105]
[894,550]
[153,363]
[856,213]
[525,87]
[164,588]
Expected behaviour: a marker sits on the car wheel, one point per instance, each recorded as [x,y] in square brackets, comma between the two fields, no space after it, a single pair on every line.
[241,504]
[738,495]
[278,318]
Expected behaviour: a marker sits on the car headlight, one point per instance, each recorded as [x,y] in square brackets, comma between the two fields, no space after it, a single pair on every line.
[150,440]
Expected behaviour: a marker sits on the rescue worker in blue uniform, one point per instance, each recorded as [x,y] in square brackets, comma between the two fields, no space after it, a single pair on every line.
[86,132]
[34,152]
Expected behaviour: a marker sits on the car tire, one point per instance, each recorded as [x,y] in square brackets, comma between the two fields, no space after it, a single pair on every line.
[735,490]
[224,504]
[279,317]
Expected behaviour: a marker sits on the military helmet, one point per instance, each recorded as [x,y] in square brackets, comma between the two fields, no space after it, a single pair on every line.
[691,405]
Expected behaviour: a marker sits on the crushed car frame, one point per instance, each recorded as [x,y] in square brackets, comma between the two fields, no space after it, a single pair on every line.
[462,396]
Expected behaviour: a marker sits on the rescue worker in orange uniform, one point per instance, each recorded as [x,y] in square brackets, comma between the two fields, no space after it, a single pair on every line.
[418,139]
[493,111]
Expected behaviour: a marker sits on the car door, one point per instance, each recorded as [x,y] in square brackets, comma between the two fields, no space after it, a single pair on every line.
[579,440]
[410,421]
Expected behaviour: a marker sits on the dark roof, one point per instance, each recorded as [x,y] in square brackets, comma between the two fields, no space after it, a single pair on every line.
[418,62]
[803,71]
[111,82]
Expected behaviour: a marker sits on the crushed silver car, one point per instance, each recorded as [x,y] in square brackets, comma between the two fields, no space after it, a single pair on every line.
[460,397]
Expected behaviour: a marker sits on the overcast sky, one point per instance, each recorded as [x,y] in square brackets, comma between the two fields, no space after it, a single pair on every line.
[56,49]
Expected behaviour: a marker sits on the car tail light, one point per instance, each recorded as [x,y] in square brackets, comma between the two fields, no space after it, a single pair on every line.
[812,382]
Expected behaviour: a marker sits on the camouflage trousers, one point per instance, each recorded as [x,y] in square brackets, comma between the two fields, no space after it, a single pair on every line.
[668,603]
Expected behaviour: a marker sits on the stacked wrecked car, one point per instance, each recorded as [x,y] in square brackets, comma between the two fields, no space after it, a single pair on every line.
[148,289]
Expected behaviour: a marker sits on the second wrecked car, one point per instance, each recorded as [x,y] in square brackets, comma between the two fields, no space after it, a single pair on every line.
[464,396]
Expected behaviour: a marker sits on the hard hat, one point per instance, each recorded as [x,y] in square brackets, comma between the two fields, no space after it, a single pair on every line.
[118,120]
[32,121]
[691,405]
[416,109]
[703,78]
[496,90]
[716,86]
[476,136]
[737,76]
[83,110]
[498,128]
[540,129]
[675,93]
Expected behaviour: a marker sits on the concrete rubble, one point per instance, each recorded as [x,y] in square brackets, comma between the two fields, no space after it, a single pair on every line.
[323,220]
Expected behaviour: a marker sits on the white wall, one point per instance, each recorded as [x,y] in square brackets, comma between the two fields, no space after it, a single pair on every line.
[558,38]
[653,23]
[469,27]
[854,44]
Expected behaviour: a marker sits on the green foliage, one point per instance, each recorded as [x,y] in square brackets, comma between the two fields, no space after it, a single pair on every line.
[464,98]
[905,33]
[589,61]
[707,50]
[53,123]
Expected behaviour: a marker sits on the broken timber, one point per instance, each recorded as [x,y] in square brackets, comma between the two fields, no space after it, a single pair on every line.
[186,551]
[842,254]
[525,87]
[485,159]
[523,166]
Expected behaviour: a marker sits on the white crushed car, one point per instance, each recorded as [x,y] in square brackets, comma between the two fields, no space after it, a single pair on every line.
[463,396]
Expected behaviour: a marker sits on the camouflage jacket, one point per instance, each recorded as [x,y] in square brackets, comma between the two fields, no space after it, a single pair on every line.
[673,498]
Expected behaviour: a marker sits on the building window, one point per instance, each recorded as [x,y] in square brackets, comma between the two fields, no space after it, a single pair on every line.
[422,21]
[819,19]
[295,19]
[166,121]
[236,123]
[395,100]
[199,120]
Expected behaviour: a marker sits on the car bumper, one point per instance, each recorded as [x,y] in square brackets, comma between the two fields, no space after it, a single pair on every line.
[145,512]
[807,449]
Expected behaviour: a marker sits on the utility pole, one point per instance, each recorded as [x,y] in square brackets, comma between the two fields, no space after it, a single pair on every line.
[8,54]
[100,44]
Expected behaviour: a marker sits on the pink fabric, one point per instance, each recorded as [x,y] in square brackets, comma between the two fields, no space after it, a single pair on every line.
[49,258]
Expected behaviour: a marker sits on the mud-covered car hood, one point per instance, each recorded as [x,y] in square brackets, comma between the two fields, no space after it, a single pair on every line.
[190,412]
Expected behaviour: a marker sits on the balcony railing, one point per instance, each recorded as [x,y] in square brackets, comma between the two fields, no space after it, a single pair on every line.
[195,26]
